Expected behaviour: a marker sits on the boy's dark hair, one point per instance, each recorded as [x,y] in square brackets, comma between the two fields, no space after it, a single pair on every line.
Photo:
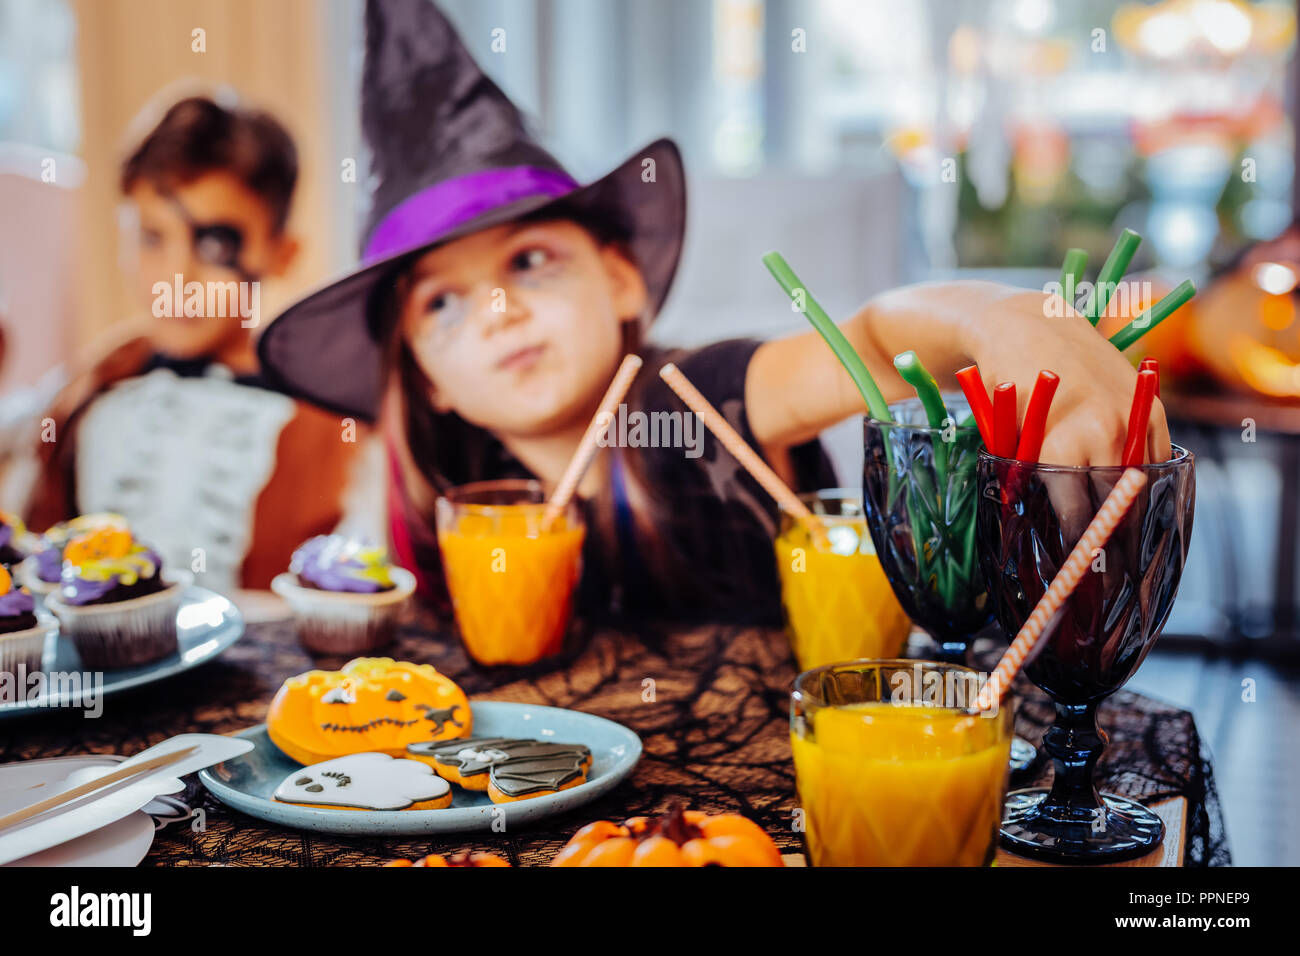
[197,136]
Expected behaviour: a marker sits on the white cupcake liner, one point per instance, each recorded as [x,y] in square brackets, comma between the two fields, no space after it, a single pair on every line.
[31,648]
[28,577]
[345,622]
[124,633]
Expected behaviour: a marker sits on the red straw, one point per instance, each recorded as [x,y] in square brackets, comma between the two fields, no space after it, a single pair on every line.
[1151,365]
[1067,579]
[978,398]
[1040,403]
[1135,443]
[1004,420]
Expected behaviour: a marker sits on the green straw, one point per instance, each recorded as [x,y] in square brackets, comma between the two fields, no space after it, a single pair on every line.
[916,375]
[844,351]
[1112,270]
[1076,261]
[927,389]
[1153,316]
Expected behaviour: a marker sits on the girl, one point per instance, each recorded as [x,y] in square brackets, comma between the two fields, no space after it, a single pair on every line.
[497,298]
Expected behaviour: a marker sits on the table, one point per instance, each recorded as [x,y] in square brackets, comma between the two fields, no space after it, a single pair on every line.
[1217,418]
[711,705]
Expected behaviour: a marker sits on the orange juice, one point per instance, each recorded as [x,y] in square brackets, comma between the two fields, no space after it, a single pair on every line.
[838,603]
[882,784]
[511,581]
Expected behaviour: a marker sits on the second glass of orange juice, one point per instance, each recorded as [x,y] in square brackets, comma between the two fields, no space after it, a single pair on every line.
[511,579]
[894,769]
[838,603]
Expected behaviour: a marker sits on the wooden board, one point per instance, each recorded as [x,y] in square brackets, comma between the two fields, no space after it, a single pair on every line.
[260,607]
[1170,852]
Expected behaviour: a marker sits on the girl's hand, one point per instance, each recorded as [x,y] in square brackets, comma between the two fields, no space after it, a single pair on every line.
[795,387]
[1017,333]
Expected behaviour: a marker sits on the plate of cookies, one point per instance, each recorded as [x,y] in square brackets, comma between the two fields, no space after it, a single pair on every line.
[389,747]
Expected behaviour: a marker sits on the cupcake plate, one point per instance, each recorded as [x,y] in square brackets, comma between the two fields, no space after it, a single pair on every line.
[206,624]
[247,782]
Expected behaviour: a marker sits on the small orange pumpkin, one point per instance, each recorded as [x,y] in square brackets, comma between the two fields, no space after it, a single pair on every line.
[456,859]
[370,704]
[678,838]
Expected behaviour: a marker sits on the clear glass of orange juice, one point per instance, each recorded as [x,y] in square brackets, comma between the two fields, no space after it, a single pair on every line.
[838,603]
[894,768]
[511,579]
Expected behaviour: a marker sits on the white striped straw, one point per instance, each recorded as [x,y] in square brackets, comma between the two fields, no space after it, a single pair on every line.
[1067,579]
[587,448]
[747,457]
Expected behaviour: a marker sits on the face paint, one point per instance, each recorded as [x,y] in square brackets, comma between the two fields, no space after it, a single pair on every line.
[218,244]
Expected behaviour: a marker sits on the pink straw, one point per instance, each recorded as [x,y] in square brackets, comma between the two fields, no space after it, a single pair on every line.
[587,447]
[1067,579]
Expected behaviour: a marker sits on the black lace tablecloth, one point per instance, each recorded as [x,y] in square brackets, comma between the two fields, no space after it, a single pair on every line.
[714,724]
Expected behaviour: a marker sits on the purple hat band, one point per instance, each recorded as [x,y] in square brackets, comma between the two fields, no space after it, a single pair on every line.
[437,210]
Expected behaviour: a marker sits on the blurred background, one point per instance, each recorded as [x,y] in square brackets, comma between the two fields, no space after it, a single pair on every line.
[875,142]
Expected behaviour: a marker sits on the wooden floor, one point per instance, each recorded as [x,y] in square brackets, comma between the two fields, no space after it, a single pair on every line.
[1254,744]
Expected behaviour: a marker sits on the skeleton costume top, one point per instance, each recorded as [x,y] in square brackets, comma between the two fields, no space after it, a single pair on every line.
[216,472]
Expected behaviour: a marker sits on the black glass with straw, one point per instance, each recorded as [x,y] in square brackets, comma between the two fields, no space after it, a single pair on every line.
[918,488]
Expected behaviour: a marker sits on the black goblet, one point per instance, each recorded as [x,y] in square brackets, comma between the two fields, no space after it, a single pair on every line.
[1030,517]
[919,493]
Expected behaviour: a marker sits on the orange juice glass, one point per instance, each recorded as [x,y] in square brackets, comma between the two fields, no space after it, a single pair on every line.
[894,769]
[511,582]
[838,603]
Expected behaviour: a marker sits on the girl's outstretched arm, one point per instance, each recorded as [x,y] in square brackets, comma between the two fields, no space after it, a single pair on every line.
[795,387]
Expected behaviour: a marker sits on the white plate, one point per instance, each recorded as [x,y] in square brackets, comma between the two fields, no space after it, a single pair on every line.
[122,843]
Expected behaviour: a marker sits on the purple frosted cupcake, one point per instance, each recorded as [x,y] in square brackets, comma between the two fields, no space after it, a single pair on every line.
[115,602]
[14,539]
[347,596]
[43,569]
[24,637]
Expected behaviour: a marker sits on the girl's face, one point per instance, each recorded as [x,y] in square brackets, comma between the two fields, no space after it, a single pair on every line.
[517,327]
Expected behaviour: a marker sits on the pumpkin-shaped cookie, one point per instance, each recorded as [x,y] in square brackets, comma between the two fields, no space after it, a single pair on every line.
[371,704]
[678,838]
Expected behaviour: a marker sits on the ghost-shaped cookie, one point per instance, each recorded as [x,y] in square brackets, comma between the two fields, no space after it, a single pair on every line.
[366,781]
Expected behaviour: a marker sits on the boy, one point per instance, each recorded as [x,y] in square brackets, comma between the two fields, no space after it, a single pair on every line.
[172,426]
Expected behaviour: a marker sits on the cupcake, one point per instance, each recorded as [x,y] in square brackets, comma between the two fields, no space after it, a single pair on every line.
[24,637]
[345,595]
[43,569]
[114,600]
[14,540]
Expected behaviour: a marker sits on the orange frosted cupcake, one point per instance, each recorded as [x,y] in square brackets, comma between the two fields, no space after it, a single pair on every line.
[115,601]
[25,637]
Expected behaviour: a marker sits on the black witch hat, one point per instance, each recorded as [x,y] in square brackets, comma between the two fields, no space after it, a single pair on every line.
[450,155]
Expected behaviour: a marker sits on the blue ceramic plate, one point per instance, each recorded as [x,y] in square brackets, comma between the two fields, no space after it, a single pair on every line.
[247,782]
[206,624]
